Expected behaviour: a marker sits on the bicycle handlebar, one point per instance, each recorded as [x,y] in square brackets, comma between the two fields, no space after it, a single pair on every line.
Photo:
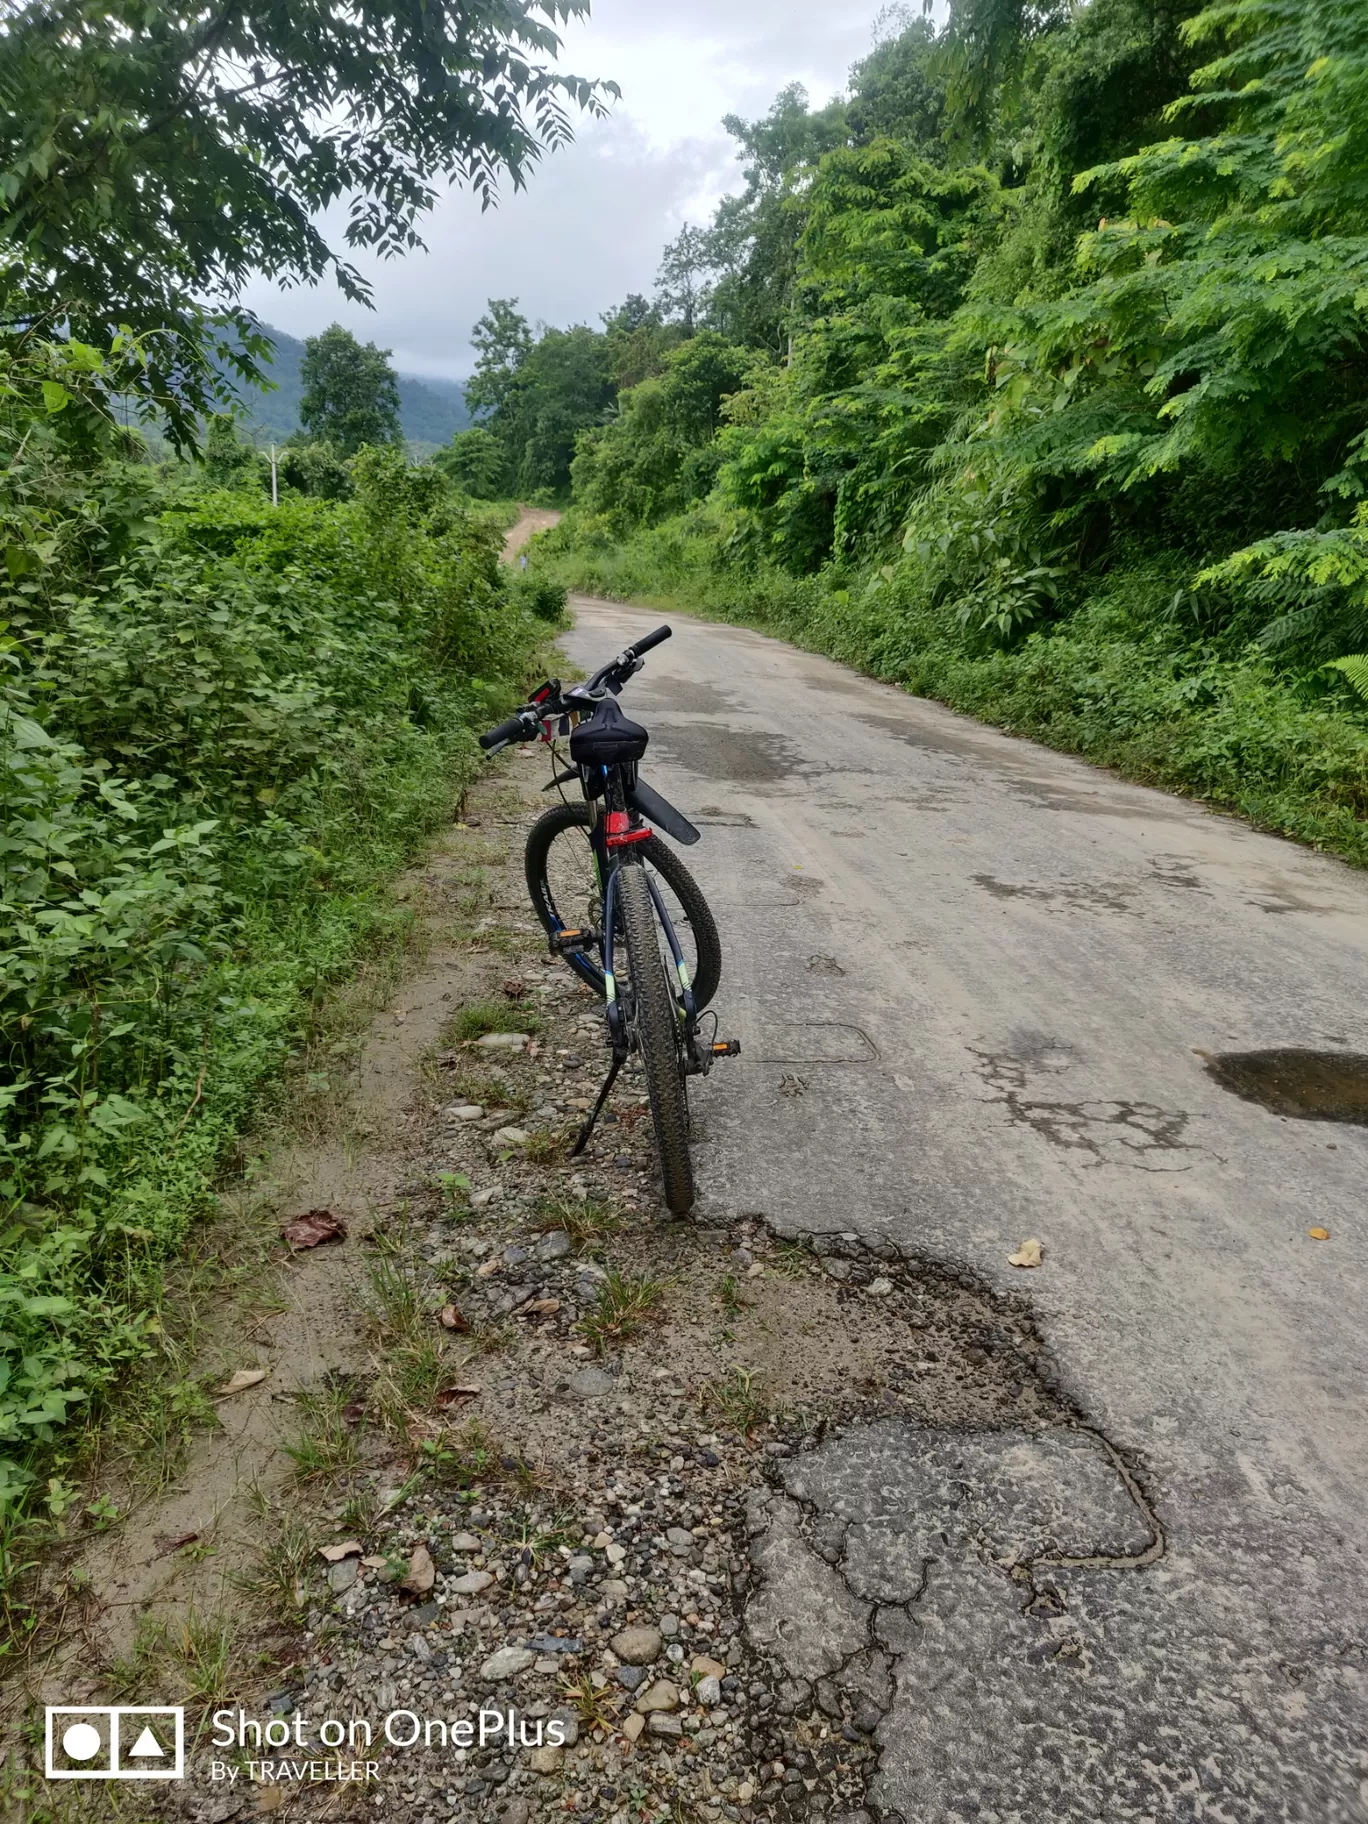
[514,729]
[525,724]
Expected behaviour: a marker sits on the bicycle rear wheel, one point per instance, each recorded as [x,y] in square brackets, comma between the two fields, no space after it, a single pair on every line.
[564,888]
[655,1030]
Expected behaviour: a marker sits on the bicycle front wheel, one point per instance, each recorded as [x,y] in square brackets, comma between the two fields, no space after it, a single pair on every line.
[656,1032]
[564,888]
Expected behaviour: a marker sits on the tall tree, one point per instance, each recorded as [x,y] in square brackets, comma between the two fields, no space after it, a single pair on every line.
[351,393]
[154,154]
[502,342]
[681,283]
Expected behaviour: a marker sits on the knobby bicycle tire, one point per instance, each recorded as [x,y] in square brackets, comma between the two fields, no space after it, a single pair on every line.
[654,1024]
[707,944]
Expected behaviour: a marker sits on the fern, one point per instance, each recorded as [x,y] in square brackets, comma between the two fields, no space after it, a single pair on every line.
[1354,666]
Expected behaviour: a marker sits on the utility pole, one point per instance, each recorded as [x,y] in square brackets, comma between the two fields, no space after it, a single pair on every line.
[275,491]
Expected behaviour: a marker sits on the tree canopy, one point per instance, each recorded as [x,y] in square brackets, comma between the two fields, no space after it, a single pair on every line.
[351,393]
[155,154]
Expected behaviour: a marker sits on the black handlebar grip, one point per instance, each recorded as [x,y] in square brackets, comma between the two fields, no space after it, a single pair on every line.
[652,639]
[512,730]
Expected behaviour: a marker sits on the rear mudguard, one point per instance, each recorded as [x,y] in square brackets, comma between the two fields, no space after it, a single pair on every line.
[665,817]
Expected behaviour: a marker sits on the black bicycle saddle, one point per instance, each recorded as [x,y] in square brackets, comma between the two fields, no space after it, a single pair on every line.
[607,738]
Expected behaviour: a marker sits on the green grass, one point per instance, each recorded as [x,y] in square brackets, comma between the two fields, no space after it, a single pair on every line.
[480,1017]
[623,1305]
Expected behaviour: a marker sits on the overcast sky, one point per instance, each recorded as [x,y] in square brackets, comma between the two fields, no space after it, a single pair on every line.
[590,225]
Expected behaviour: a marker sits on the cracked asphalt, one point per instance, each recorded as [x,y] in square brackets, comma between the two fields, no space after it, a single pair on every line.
[976,983]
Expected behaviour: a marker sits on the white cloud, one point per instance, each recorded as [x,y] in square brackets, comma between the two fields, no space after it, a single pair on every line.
[590,225]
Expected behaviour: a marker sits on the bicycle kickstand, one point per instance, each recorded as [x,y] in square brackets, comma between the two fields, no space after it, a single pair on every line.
[587,1130]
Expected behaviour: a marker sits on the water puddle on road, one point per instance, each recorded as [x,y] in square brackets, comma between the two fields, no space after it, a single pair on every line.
[1308,1085]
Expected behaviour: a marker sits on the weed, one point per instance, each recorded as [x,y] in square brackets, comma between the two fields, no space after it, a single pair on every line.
[194,1658]
[792,1259]
[484,1092]
[462,1457]
[729,1295]
[734,1400]
[624,1303]
[480,1017]
[597,1708]
[455,1193]
[326,1445]
[283,1572]
[544,1147]
[586,1220]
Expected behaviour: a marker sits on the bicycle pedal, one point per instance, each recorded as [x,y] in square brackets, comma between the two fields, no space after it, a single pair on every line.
[572,943]
[726,1048]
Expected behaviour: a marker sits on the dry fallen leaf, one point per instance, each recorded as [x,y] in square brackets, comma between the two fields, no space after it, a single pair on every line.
[544,1307]
[349,1548]
[457,1396]
[270,1798]
[421,1573]
[1029,1254]
[314,1226]
[490,1266]
[1319,1234]
[242,1380]
[450,1319]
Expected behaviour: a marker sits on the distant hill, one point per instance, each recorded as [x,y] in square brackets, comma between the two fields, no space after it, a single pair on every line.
[430,411]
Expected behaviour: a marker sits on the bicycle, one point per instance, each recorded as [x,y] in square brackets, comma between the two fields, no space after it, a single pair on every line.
[608,891]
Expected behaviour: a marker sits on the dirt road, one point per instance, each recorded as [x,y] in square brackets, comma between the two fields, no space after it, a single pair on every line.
[979,987]
[529,522]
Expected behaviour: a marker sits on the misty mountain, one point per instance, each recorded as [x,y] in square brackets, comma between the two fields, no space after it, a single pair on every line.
[430,411]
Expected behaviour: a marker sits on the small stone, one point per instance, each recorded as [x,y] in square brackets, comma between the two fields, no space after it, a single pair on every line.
[502,1041]
[677,1535]
[481,1200]
[613,1589]
[468,1111]
[881,1287]
[514,1136]
[661,1724]
[554,1245]
[638,1646]
[630,1677]
[662,1695]
[708,1691]
[517,1811]
[835,1268]
[465,1542]
[669,1626]
[707,1668]
[508,1662]
[545,1760]
[342,1575]
[591,1383]
[471,1583]
[615,1554]
[632,1726]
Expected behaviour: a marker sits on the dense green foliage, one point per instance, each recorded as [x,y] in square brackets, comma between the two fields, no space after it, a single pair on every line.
[1051,390]
[222,727]
[351,393]
[154,155]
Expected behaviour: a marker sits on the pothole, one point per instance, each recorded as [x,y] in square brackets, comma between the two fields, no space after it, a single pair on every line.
[1305,1085]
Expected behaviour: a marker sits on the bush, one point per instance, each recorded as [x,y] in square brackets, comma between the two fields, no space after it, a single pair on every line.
[222,728]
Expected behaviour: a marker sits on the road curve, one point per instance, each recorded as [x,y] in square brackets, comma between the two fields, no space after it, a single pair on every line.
[975,981]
